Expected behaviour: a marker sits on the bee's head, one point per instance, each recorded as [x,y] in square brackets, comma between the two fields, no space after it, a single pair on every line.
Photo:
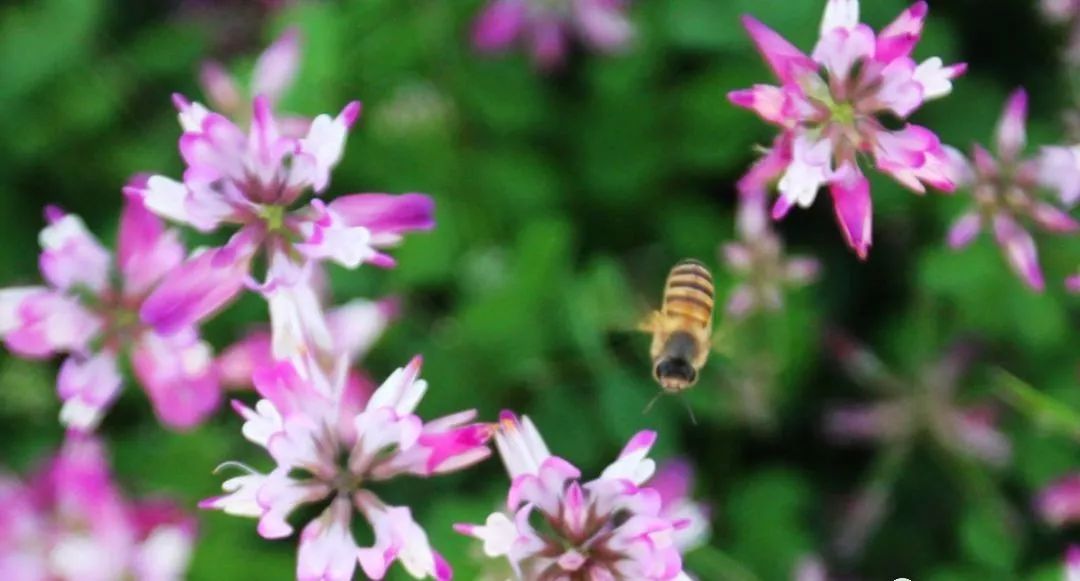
[675,374]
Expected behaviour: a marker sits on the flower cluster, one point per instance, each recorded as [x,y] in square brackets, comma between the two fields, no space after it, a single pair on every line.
[829,109]
[758,259]
[545,27]
[1066,12]
[342,437]
[90,311]
[1006,191]
[614,527]
[923,406]
[69,522]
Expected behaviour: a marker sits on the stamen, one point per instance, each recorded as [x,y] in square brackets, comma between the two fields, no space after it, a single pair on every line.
[234,464]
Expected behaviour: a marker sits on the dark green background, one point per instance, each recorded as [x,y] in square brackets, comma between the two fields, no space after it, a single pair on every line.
[561,201]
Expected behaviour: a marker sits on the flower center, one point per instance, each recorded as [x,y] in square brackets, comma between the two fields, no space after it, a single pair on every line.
[842,113]
[274,218]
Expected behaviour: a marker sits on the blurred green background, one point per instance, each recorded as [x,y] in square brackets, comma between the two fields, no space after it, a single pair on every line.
[562,200]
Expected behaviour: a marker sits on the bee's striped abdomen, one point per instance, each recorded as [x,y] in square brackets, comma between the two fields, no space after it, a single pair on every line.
[689,292]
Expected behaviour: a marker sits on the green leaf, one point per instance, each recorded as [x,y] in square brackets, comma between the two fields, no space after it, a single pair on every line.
[988,540]
[1046,412]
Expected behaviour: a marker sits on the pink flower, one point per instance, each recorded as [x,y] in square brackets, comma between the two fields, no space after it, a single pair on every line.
[89,310]
[545,27]
[612,527]
[1059,503]
[328,441]
[1072,283]
[758,260]
[273,75]
[810,568]
[1006,193]
[252,180]
[1072,563]
[70,522]
[1066,12]
[828,108]
[922,405]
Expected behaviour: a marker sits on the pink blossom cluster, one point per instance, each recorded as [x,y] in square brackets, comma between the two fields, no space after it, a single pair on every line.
[620,525]
[69,522]
[1007,191]
[343,436]
[922,406]
[1067,13]
[332,436]
[830,108]
[90,309]
[545,27]
[758,259]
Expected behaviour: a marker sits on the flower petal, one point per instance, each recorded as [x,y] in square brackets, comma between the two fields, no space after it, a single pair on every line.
[840,48]
[935,78]
[499,24]
[146,252]
[1011,132]
[178,374]
[786,61]
[328,551]
[843,14]
[602,24]
[397,537]
[810,168]
[276,67]
[198,288]
[87,387]
[387,216]
[71,257]
[633,463]
[851,200]
[325,142]
[1059,169]
[39,323]
[1019,249]
[220,87]
[899,38]
[497,533]
[964,230]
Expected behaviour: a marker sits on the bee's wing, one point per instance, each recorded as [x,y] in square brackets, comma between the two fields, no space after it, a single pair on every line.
[723,338]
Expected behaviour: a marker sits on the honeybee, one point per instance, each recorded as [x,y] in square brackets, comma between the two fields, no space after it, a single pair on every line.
[682,328]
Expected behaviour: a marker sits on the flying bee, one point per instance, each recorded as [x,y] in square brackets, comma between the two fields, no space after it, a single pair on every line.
[682,328]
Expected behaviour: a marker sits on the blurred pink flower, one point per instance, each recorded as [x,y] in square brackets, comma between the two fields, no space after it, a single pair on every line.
[545,27]
[1072,563]
[89,310]
[612,527]
[1066,12]
[252,180]
[329,440]
[1059,503]
[273,75]
[70,522]
[1006,193]
[1072,283]
[810,568]
[828,106]
[758,260]
[922,406]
